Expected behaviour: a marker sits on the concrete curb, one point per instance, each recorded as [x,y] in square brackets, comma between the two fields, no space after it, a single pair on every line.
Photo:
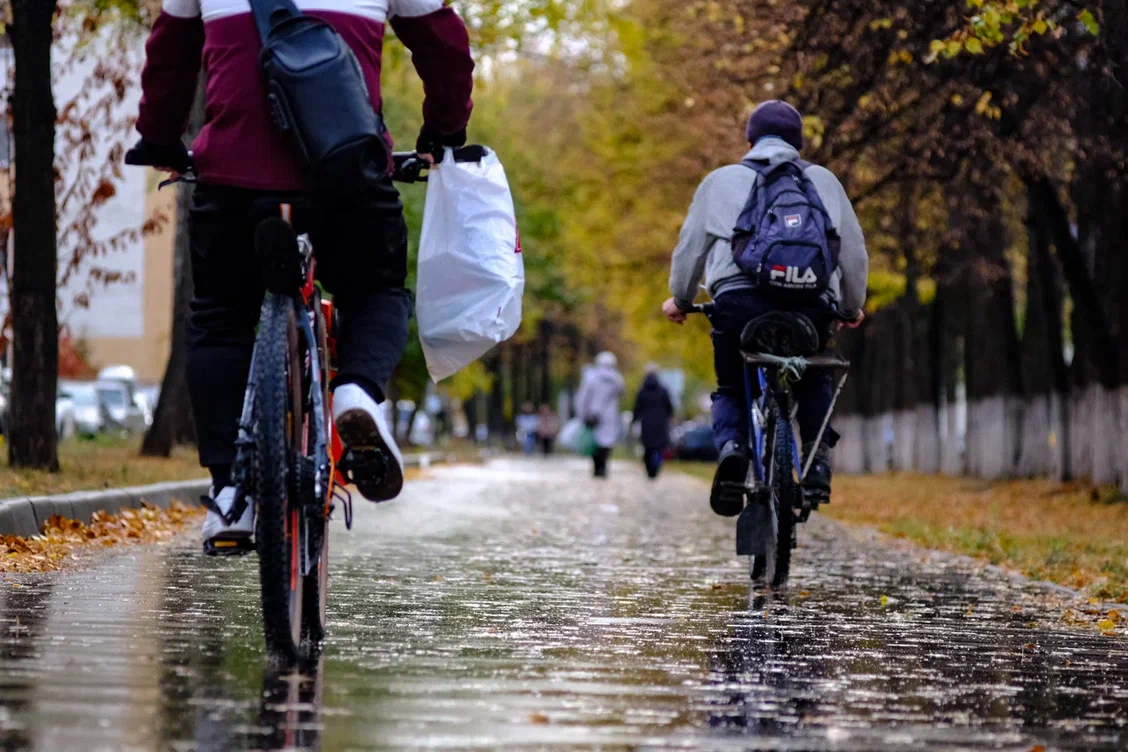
[25,516]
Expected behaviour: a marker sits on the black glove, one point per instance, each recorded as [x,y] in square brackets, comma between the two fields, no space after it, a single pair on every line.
[433,143]
[175,156]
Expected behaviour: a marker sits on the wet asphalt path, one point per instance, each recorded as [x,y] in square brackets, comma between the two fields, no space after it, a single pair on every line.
[524,604]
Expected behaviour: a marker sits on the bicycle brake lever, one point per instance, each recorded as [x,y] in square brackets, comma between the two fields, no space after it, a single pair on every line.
[177,179]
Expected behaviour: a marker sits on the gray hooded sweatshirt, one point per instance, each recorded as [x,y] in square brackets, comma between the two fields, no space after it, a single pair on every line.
[705,246]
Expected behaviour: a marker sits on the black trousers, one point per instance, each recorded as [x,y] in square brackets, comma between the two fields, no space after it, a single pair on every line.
[599,461]
[360,245]
[813,392]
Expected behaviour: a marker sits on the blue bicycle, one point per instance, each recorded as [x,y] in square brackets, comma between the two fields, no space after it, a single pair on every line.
[778,348]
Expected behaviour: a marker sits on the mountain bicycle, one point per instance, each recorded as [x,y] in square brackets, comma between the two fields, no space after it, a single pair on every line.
[288,457]
[777,348]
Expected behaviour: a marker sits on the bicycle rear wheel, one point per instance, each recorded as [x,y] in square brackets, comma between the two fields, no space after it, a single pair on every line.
[279,530]
[775,566]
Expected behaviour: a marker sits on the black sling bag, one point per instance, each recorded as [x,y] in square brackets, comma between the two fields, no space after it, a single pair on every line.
[319,100]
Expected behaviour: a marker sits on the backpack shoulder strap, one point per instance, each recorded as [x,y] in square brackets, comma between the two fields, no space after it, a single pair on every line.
[268,13]
[813,194]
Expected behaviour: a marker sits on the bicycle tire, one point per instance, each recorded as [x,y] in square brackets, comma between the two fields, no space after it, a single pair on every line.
[777,561]
[784,490]
[278,531]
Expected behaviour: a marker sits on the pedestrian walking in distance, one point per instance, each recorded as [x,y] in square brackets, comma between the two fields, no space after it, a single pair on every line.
[547,428]
[597,403]
[527,424]
[653,411]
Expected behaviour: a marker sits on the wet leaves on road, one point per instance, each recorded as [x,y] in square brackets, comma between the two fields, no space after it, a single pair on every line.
[62,538]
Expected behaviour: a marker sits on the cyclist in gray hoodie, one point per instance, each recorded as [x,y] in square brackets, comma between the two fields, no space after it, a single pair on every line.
[775,131]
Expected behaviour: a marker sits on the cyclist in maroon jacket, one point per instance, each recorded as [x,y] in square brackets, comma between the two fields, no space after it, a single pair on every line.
[246,170]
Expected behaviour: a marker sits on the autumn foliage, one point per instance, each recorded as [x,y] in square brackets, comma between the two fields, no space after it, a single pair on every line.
[73,362]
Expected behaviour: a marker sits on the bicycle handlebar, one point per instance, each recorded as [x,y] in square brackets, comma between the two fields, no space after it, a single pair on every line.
[709,308]
[407,166]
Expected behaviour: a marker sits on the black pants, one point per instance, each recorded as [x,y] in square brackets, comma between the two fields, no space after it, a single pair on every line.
[360,245]
[599,459]
[730,407]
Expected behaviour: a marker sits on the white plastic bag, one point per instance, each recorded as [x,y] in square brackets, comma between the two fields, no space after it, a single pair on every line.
[471,274]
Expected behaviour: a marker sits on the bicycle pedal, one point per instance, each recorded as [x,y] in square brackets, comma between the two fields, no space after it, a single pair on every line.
[816,497]
[363,463]
[229,546]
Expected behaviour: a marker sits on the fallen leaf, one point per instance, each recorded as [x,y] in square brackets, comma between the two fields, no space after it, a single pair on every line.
[539,718]
[1106,625]
[884,601]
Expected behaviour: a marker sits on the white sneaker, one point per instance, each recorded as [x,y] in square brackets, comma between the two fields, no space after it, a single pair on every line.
[375,463]
[217,534]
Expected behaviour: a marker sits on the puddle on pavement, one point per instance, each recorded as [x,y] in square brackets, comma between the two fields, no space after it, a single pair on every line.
[527,605]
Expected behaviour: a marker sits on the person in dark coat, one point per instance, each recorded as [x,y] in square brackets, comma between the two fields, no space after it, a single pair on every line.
[653,410]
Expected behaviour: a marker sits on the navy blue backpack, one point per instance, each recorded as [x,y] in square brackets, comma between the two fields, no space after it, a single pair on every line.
[784,239]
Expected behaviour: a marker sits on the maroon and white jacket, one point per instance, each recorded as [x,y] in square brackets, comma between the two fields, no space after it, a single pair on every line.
[239,144]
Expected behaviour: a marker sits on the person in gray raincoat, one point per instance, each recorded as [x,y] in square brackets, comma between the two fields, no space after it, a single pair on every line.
[597,404]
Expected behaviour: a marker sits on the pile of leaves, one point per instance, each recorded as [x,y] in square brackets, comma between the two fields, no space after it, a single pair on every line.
[62,538]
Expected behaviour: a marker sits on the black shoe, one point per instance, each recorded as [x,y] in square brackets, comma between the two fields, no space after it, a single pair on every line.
[817,483]
[727,496]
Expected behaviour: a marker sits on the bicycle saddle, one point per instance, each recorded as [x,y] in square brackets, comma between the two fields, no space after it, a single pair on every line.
[787,334]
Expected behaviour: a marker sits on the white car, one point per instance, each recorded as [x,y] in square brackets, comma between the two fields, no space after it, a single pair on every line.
[124,415]
[127,377]
[64,416]
[89,413]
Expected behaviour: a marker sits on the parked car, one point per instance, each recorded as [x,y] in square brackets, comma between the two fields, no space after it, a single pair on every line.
[151,394]
[125,415]
[65,426]
[89,413]
[127,377]
[64,408]
[696,443]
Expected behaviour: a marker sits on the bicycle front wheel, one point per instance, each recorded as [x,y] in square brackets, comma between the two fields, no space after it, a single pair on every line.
[278,531]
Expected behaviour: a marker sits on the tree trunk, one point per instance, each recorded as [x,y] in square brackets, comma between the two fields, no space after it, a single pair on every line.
[545,356]
[495,410]
[173,422]
[35,321]
[1082,290]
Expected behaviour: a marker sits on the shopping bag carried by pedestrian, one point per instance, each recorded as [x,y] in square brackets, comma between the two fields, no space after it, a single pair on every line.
[471,274]
[585,446]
